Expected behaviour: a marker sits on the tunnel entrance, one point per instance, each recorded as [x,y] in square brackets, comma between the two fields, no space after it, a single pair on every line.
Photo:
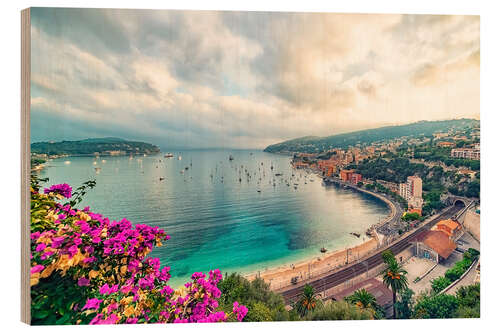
[459,203]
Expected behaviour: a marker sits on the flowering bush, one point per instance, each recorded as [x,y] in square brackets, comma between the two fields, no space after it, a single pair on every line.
[88,269]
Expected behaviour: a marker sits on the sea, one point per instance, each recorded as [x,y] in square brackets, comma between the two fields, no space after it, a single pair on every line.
[237,210]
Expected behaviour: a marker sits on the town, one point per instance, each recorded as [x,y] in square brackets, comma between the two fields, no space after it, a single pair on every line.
[432,186]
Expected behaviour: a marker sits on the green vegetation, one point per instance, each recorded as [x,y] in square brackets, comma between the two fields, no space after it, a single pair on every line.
[366,301]
[439,306]
[464,304]
[307,302]
[36,161]
[340,310]
[455,272]
[263,304]
[461,266]
[313,144]
[440,283]
[394,277]
[404,305]
[410,217]
[91,146]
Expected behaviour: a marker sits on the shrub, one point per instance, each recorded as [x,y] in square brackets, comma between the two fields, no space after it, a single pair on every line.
[439,306]
[341,310]
[440,283]
[88,269]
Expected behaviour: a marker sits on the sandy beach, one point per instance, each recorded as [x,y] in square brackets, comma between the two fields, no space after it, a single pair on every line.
[281,276]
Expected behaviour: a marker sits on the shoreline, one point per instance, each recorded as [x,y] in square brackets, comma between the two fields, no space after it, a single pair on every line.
[281,275]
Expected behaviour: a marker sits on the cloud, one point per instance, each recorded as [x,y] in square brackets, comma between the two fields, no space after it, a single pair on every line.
[245,79]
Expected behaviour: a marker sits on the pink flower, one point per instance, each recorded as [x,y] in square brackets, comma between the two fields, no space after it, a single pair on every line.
[37,268]
[240,311]
[104,289]
[40,247]
[92,304]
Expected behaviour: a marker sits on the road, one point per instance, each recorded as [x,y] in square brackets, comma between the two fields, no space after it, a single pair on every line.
[332,279]
[388,226]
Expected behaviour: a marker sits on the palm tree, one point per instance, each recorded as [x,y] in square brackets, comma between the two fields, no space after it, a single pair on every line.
[365,300]
[395,278]
[307,302]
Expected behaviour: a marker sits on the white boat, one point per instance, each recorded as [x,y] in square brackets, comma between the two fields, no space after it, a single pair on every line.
[179,157]
[67,162]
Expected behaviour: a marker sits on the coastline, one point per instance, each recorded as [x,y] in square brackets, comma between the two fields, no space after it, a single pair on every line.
[281,275]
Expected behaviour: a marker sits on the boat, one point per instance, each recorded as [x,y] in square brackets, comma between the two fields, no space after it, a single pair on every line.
[355,234]
[161,178]
[323,250]
[179,157]
[169,155]
[278,174]
[231,157]
[186,168]
[67,162]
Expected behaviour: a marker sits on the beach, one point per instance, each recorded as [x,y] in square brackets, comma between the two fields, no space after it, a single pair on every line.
[281,276]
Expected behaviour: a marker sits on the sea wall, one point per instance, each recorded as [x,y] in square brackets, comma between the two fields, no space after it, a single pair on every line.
[472,223]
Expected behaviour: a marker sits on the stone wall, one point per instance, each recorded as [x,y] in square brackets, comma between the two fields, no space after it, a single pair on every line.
[472,223]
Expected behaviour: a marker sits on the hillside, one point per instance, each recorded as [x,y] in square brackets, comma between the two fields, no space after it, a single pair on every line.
[90,146]
[312,144]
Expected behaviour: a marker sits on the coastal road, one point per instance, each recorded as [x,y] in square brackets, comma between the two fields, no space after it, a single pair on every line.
[332,279]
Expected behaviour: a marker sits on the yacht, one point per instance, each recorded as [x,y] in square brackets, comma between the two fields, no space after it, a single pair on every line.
[169,155]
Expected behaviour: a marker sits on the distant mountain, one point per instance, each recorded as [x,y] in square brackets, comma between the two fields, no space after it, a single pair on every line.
[103,146]
[312,144]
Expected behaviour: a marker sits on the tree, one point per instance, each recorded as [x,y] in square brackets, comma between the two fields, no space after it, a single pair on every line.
[404,306]
[469,301]
[341,310]
[307,302]
[440,283]
[394,278]
[410,217]
[258,312]
[388,256]
[439,306]
[365,300]
[235,288]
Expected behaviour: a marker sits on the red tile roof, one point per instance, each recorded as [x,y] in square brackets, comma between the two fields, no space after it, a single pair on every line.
[438,241]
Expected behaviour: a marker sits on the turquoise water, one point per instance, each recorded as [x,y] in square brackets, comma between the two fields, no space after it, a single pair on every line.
[214,219]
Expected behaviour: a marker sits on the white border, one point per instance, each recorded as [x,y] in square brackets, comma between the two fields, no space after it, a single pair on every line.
[10,163]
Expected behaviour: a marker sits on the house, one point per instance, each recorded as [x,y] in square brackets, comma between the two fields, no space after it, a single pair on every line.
[434,245]
[449,227]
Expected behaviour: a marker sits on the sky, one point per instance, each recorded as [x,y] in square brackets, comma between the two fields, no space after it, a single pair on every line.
[208,79]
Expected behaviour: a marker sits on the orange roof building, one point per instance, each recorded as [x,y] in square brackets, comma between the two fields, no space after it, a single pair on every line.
[449,227]
[415,210]
[434,245]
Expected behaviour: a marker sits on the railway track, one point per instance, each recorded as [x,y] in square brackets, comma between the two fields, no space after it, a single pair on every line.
[329,280]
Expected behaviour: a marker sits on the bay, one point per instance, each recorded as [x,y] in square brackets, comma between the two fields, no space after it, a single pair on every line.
[235,215]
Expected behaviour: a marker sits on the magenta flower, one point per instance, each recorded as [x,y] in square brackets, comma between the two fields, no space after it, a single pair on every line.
[92,304]
[40,247]
[37,268]
[62,189]
[240,311]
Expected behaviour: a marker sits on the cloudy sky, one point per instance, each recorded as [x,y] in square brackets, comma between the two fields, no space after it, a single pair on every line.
[245,79]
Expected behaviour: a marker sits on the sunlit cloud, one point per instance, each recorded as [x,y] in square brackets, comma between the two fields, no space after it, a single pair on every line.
[245,79]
